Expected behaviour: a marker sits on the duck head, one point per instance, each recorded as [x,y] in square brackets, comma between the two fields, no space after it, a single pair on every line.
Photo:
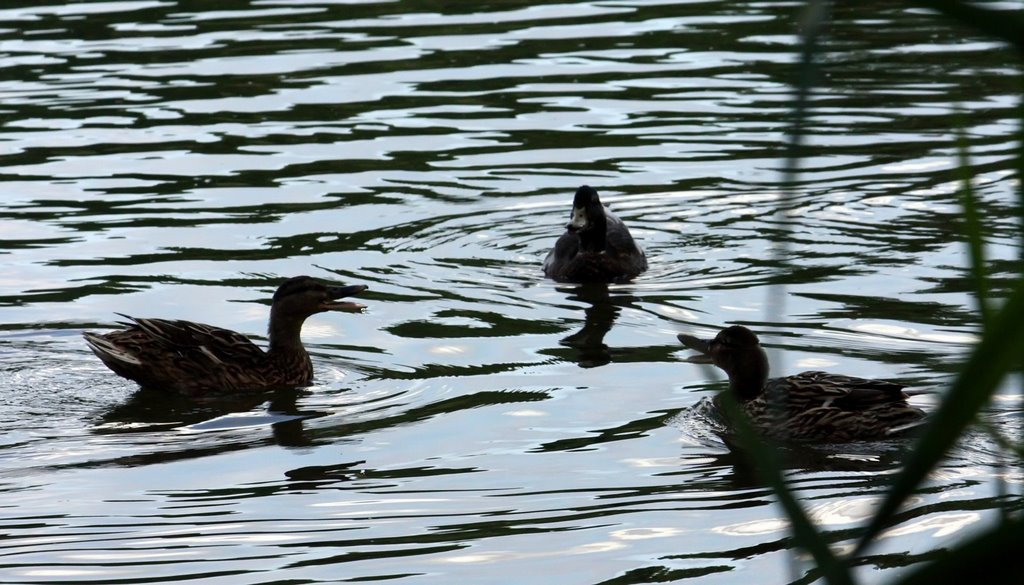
[738,352]
[298,298]
[587,218]
[302,296]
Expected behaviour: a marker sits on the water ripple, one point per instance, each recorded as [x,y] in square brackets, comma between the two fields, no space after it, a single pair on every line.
[164,159]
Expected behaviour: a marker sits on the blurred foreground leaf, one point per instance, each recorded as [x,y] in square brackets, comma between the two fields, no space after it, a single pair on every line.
[973,228]
[993,556]
[1003,24]
[996,354]
[765,458]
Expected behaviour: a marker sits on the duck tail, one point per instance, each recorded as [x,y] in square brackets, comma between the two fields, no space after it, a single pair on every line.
[920,392]
[902,429]
[106,350]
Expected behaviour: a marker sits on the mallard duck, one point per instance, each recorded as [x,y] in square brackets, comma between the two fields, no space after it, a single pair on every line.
[193,358]
[596,245]
[811,406]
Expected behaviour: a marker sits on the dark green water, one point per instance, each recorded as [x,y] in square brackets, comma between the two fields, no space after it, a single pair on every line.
[478,423]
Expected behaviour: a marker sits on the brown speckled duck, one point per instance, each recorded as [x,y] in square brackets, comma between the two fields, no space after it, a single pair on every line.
[196,359]
[596,245]
[811,406]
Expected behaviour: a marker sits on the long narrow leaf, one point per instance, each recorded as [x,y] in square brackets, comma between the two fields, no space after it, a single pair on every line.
[1020,161]
[973,228]
[998,352]
[994,556]
[1002,24]
[766,461]
[816,15]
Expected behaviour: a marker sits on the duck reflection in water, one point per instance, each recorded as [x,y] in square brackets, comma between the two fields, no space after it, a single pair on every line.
[873,462]
[591,350]
[148,410]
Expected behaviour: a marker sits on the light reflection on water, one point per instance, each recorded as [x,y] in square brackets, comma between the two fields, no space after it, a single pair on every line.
[475,419]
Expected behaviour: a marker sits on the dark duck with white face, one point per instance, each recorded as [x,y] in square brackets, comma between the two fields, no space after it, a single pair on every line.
[811,406]
[197,359]
[596,245]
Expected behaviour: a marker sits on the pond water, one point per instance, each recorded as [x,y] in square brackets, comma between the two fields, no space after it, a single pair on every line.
[478,423]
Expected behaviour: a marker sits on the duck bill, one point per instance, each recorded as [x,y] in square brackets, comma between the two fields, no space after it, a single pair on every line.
[697,344]
[340,292]
[578,219]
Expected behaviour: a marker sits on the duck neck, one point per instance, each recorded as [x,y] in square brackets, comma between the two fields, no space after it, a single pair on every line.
[285,333]
[747,382]
[594,237]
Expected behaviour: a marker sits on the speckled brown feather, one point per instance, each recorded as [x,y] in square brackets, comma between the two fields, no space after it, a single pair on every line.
[192,358]
[818,406]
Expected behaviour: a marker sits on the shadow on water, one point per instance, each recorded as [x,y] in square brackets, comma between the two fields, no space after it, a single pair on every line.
[587,345]
[156,414]
[877,457]
[150,410]
[418,413]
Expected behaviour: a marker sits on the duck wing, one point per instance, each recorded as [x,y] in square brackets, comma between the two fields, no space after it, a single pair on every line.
[195,341]
[180,356]
[558,259]
[830,407]
[618,239]
[822,389]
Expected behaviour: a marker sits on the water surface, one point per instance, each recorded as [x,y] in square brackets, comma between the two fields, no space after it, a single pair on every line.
[477,422]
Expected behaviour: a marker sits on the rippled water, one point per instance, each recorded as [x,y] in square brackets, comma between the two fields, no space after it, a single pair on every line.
[477,423]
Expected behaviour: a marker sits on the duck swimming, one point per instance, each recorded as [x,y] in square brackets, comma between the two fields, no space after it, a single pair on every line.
[811,406]
[194,359]
[596,245]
